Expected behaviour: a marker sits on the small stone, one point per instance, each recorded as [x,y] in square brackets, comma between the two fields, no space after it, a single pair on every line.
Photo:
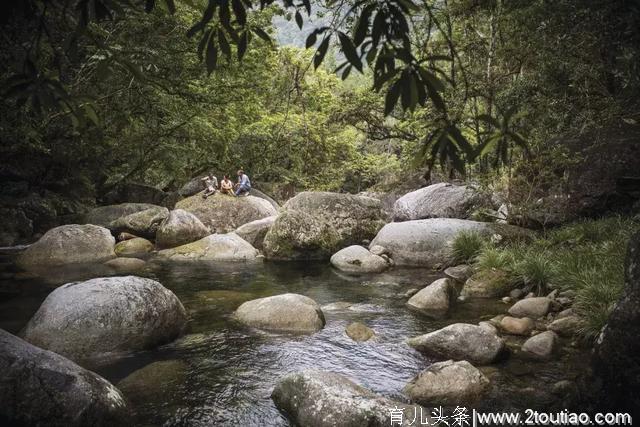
[125,264]
[541,346]
[515,326]
[534,308]
[435,299]
[459,273]
[553,294]
[359,332]
[448,383]
[507,300]
[565,326]
[563,301]
[530,295]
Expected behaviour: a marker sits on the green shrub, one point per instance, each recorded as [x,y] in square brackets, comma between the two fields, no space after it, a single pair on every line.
[535,270]
[466,246]
[491,258]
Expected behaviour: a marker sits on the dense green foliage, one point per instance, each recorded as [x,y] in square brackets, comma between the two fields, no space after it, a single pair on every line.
[97,98]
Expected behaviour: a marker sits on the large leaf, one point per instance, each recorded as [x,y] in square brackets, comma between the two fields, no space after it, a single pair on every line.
[350,51]
[321,52]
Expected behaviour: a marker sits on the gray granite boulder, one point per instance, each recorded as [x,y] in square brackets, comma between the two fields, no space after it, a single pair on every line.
[442,200]
[282,313]
[216,247]
[254,232]
[358,259]
[87,321]
[434,300]
[39,387]
[179,228]
[448,383]
[69,244]
[326,399]
[460,341]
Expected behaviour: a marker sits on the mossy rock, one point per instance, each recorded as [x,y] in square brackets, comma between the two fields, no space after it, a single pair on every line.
[487,284]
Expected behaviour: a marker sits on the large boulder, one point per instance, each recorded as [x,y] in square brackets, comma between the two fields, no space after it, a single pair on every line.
[144,223]
[258,193]
[216,247]
[223,213]
[326,399]
[442,200]
[104,215]
[427,242]
[357,259]
[179,228]
[314,225]
[69,244]
[435,299]
[254,232]
[88,320]
[39,387]
[615,358]
[448,383]
[460,341]
[283,313]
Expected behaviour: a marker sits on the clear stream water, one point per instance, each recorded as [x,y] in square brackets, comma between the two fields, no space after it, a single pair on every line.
[222,373]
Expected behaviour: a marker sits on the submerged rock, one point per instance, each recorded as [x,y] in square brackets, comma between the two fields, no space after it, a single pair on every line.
[442,200]
[359,332]
[566,326]
[534,308]
[460,341]
[216,247]
[122,265]
[357,259]
[435,299]
[541,346]
[133,247]
[427,242]
[153,381]
[448,383]
[69,244]
[283,313]
[254,232]
[104,215]
[88,320]
[223,213]
[39,387]
[144,223]
[179,228]
[326,399]
[314,225]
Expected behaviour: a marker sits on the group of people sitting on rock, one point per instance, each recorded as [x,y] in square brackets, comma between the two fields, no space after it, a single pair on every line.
[241,188]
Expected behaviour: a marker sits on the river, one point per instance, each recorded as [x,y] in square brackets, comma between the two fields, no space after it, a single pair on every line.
[222,373]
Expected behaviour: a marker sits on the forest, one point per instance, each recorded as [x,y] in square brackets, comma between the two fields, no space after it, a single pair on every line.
[468,168]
